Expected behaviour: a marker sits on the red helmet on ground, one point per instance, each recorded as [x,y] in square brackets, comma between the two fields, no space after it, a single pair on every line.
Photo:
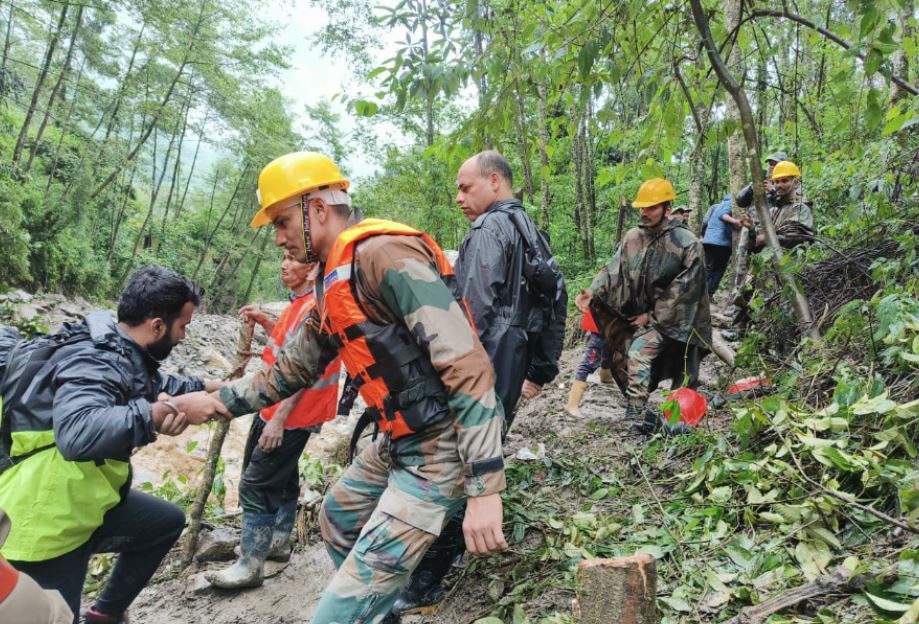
[692,405]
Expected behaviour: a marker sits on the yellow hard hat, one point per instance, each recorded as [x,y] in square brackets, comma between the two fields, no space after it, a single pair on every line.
[786,169]
[653,192]
[294,174]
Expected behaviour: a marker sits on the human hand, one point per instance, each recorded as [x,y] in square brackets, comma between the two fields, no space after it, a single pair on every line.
[582,301]
[198,407]
[760,240]
[272,435]
[530,389]
[747,222]
[172,424]
[640,320]
[482,525]
[253,314]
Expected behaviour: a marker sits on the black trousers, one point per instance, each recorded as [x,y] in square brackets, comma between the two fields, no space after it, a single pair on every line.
[716,262]
[141,527]
[271,480]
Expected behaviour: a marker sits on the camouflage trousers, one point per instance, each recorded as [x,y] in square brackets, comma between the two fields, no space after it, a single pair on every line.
[644,349]
[378,520]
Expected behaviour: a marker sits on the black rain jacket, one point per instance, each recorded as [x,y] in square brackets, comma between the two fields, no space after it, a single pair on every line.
[522,331]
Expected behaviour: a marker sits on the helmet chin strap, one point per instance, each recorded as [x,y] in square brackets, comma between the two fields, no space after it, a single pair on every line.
[310,254]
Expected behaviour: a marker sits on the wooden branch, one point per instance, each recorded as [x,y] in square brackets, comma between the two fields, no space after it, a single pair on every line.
[618,590]
[243,353]
[845,45]
[838,582]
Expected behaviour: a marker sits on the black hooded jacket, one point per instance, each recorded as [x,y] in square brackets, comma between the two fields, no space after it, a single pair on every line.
[521,329]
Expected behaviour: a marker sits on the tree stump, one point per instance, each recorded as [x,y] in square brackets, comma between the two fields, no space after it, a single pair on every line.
[621,590]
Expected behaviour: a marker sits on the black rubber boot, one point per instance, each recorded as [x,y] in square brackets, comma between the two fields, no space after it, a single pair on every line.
[254,543]
[641,420]
[280,537]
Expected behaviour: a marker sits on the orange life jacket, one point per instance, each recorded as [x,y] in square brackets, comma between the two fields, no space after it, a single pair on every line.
[317,404]
[393,374]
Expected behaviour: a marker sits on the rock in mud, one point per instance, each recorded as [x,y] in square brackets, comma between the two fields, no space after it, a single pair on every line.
[217,545]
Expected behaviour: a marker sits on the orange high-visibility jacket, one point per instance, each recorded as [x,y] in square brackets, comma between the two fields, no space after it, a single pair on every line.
[318,403]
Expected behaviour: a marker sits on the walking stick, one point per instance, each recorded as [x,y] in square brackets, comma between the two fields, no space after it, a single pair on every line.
[243,353]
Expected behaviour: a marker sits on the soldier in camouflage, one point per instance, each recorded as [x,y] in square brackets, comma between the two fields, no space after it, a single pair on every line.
[392,502]
[656,281]
[791,214]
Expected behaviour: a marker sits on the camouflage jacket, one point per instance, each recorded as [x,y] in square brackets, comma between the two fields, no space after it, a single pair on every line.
[663,274]
[396,281]
[793,220]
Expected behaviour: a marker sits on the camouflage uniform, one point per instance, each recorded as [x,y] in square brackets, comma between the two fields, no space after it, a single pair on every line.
[384,512]
[661,273]
[793,219]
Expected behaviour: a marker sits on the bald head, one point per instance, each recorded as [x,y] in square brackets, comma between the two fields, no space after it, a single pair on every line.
[481,181]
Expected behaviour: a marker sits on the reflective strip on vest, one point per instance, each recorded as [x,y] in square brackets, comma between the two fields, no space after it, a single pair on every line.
[318,403]
[343,318]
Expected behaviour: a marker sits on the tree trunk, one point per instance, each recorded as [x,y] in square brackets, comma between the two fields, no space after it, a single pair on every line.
[258,263]
[523,145]
[55,90]
[157,184]
[116,102]
[163,103]
[191,170]
[543,158]
[737,165]
[39,84]
[799,300]
[212,233]
[622,590]
[178,163]
[60,141]
[900,57]
[620,221]
[243,353]
[6,40]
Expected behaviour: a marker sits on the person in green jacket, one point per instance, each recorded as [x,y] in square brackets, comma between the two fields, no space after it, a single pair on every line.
[69,432]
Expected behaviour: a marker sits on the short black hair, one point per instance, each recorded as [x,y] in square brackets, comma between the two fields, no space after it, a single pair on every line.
[491,160]
[156,292]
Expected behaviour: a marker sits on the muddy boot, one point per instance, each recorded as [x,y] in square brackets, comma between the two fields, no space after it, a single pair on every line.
[574,398]
[606,376]
[280,537]
[253,545]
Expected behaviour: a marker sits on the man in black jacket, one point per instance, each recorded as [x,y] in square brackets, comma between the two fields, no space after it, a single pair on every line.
[71,423]
[517,297]
[518,318]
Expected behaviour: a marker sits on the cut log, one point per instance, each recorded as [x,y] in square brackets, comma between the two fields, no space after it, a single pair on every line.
[621,590]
